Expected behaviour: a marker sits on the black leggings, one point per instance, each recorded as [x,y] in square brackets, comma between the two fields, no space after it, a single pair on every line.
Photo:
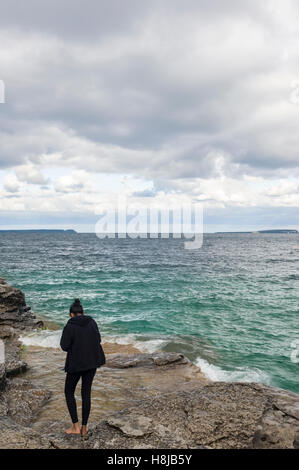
[70,386]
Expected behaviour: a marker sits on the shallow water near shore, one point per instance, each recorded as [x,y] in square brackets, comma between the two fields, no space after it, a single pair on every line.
[231,307]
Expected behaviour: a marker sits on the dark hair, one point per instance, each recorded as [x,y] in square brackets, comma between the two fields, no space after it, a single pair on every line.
[76,307]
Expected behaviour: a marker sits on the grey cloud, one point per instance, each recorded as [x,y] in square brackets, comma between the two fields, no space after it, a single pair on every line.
[144,193]
[166,88]
[89,19]
[72,19]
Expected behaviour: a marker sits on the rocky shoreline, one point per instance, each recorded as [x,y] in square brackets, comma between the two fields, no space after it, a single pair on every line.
[172,406]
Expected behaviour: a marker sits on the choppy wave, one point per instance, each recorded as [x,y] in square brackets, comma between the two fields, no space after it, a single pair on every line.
[149,345]
[240,374]
[51,339]
[43,339]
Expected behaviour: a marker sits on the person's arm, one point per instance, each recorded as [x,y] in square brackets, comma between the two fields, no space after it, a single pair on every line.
[66,339]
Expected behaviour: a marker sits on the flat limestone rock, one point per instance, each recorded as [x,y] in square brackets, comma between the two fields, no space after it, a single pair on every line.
[217,415]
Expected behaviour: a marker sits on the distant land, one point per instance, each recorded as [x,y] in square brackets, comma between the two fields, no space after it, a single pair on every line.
[268,231]
[170,235]
[39,230]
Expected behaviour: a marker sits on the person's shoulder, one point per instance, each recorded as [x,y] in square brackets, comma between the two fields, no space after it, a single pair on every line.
[93,321]
[88,320]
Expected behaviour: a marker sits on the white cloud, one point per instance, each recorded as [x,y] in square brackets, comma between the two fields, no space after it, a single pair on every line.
[11,183]
[30,174]
[77,182]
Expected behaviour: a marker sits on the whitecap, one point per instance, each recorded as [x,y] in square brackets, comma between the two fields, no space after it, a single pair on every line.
[51,339]
[43,338]
[239,374]
[147,346]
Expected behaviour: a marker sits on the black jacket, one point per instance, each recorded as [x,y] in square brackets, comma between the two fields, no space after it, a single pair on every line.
[82,341]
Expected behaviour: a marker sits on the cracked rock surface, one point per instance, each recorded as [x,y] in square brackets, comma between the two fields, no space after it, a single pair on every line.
[218,415]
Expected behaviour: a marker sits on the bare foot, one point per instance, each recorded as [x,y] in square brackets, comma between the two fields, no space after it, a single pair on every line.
[84,430]
[74,429]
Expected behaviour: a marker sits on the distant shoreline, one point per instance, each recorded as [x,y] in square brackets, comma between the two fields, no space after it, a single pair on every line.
[255,232]
[264,231]
[43,230]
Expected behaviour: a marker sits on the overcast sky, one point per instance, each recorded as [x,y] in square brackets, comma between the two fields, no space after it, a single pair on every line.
[165,99]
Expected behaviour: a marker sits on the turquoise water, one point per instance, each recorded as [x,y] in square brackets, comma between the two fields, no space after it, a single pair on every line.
[231,306]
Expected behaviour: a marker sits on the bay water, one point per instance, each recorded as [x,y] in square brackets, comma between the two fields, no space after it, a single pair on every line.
[232,306]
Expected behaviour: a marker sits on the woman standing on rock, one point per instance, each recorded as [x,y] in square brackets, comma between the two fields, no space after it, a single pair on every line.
[81,340]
